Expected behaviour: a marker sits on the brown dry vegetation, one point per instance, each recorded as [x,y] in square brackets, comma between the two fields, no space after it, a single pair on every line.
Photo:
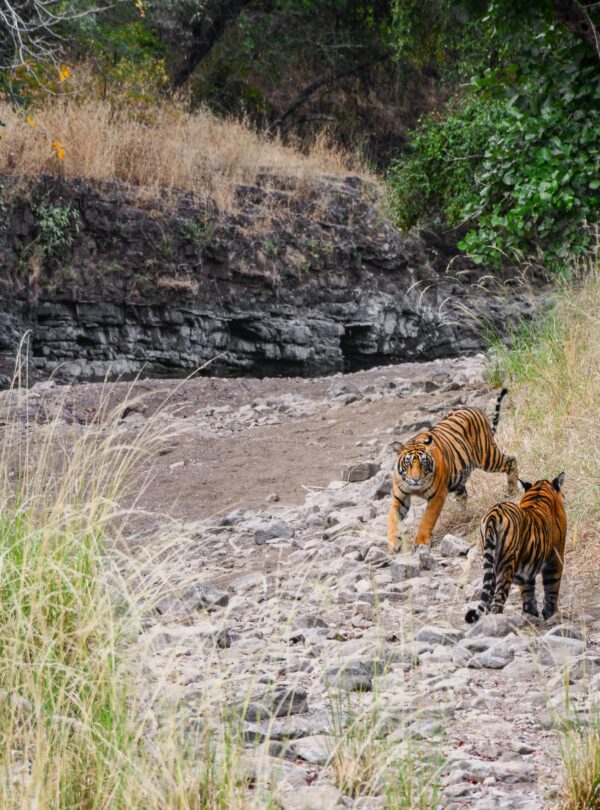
[159,147]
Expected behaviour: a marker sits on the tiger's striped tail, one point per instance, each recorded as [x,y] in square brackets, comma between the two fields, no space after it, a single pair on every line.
[489,573]
[496,419]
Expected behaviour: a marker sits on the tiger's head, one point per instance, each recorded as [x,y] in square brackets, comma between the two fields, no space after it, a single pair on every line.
[552,489]
[415,464]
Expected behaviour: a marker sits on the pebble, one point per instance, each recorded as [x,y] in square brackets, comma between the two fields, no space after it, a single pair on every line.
[316,749]
[405,567]
[439,635]
[315,797]
[453,546]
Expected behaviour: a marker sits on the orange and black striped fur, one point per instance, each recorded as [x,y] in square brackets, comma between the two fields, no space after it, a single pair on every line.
[440,461]
[519,541]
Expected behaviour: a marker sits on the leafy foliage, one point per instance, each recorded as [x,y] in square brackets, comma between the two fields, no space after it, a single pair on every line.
[434,182]
[539,178]
[517,155]
[511,149]
[57,226]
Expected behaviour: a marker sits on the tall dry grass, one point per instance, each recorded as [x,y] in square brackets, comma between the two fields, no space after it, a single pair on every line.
[73,733]
[581,758]
[83,725]
[553,371]
[158,147]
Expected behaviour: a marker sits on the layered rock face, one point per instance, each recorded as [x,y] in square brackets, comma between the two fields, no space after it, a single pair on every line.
[296,279]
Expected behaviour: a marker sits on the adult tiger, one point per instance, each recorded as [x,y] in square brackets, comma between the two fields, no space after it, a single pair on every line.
[519,541]
[440,461]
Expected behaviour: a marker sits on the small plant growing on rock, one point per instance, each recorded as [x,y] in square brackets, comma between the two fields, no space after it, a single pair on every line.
[198,233]
[271,249]
[57,227]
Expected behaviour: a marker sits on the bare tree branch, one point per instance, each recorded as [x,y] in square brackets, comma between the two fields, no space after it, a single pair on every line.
[327,79]
[30,31]
[577,20]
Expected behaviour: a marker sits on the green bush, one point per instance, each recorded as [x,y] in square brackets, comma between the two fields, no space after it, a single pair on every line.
[434,183]
[537,185]
[517,158]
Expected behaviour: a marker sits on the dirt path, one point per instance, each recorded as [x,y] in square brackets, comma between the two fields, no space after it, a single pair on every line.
[240,441]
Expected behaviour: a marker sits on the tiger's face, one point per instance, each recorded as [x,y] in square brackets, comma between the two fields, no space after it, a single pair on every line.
[415,465]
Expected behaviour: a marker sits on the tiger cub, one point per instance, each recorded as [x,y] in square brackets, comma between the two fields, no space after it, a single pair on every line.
[519,541]
[440,461]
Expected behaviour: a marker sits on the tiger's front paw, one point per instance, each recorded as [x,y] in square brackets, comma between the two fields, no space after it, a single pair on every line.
[393,544]
[422,539]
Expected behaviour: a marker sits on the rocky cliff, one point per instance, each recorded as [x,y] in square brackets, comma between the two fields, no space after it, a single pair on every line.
[298,279]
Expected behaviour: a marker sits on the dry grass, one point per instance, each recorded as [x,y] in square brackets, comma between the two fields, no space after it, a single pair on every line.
[366,762]
[553,371]
[159,147]
[581,758]
[84,724]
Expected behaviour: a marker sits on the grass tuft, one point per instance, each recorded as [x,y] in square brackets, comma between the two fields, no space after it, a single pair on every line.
[581,758]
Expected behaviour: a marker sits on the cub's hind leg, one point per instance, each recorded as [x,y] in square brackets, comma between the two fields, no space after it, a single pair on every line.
[398,510]
[460,493]
[504,579]
[512,473]
[527,587]
[551,576]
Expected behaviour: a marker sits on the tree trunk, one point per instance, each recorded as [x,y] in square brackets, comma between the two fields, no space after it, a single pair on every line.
[205,34]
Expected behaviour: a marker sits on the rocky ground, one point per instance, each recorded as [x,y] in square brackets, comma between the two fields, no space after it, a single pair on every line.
[275,601]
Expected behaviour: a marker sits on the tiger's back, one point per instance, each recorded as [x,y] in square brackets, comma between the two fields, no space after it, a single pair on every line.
[466,439]
[519,541]
[440,460]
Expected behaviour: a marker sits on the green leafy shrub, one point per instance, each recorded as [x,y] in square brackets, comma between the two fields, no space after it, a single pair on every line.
[517,157]
[538,183]
[434,183]
[57,226]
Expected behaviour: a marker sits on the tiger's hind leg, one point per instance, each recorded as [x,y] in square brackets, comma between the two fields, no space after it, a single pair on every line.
[512,473]
[527,587]
[504,579]
[500,462]
[551,576]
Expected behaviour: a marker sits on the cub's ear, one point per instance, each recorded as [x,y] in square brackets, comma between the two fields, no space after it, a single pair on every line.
[558,482]
[396,447]
[428,439]
[525,484]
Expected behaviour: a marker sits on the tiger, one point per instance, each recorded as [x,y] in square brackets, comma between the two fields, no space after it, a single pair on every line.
[440,460]
[519,541]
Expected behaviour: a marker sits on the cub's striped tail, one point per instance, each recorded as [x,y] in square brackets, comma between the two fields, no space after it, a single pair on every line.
[496,419]
[488,535]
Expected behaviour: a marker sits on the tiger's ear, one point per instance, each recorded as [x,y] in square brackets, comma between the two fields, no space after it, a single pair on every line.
[558,482]
[525,484]
[397,446]
[428,439]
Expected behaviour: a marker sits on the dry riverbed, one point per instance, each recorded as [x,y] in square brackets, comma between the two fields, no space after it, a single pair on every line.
[261,534]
